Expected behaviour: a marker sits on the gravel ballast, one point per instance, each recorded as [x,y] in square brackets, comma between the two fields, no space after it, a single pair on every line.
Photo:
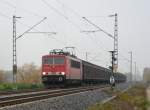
[78,101]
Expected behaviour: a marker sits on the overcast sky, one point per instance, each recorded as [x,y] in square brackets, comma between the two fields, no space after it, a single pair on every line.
[65,18]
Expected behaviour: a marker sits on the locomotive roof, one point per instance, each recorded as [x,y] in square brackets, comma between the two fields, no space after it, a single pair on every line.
[61,52]
[52,55]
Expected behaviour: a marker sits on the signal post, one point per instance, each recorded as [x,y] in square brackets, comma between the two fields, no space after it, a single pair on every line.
[113,69]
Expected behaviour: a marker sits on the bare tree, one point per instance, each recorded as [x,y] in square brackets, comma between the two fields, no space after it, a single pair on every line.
[2,76]
[29,73]
[146,75]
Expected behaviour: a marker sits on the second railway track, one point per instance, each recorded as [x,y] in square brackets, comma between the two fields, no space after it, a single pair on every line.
[18,99]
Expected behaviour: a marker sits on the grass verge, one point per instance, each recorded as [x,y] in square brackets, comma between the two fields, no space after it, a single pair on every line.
[133,99]
[9,86]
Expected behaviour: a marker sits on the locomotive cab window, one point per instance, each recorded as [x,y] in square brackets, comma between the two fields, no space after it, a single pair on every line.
[47,60]
[59,60]
[75,64]
[53,60]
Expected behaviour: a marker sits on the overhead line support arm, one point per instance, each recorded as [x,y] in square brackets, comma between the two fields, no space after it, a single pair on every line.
[98,27]
[31,28]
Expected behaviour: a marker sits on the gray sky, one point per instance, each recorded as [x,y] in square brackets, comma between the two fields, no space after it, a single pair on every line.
[64,17]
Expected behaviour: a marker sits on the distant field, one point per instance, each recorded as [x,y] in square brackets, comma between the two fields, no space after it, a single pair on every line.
[133,99]
[8,86]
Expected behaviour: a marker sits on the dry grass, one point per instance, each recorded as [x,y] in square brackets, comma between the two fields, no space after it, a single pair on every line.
[133,99]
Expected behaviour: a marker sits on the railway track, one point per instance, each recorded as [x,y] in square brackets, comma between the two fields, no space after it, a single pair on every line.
[9,92]
[24,98]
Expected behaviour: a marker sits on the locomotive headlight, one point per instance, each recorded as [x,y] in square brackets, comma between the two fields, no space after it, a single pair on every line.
[44,73]
[63,73]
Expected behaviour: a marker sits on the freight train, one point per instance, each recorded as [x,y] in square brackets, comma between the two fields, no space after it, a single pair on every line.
[62,68]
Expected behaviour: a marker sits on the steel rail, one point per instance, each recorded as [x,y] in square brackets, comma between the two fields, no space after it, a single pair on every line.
[7,101]
[11,92]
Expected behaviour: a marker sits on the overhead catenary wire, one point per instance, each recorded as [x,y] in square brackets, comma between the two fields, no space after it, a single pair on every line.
[98,46]
[124,57]
[70,9]
[61,14]
[96,43]
[5,16]
[25,10]
[102,52]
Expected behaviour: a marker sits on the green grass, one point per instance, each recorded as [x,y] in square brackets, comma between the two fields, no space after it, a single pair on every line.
[9,86]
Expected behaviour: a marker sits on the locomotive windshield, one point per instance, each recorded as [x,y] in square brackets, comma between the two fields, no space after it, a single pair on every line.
[53,60]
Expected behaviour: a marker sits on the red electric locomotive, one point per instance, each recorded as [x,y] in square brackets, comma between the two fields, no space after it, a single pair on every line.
[60,68]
